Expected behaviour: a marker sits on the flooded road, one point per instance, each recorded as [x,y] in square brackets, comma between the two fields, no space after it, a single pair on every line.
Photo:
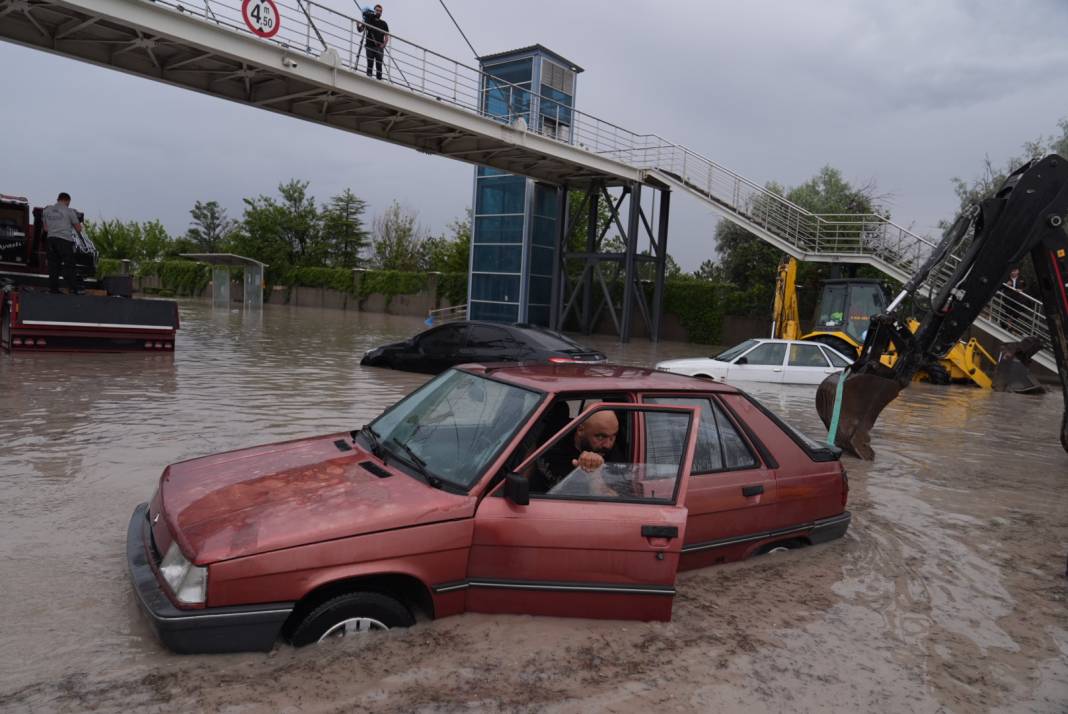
[947,594]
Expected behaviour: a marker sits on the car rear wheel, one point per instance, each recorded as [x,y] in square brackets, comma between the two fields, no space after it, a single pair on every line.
[349,615]
[781,546]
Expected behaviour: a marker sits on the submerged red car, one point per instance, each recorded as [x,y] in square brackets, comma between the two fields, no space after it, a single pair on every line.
[567,490]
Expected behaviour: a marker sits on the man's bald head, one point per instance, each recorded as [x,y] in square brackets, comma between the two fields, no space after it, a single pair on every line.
[598,433]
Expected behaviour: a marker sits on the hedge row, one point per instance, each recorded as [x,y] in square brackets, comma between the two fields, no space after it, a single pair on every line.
[701,306]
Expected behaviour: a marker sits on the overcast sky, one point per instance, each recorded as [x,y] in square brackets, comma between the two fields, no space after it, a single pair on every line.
[906,95]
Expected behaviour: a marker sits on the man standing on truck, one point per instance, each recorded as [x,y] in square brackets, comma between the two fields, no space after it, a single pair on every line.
[61,221]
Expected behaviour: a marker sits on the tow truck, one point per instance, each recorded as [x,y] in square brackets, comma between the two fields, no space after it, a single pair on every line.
[1025,217]
[105,319]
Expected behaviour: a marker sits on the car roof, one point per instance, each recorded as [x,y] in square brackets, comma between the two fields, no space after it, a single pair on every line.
[521,326]
[594,377]
[763,340]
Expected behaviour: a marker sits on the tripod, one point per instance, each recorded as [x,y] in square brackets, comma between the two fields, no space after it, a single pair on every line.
[387,57]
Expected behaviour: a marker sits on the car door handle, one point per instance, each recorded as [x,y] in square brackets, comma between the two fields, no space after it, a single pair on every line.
[756,490]
[777,369]
[660,531]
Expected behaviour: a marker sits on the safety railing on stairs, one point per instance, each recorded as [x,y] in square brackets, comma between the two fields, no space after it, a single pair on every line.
[314,30]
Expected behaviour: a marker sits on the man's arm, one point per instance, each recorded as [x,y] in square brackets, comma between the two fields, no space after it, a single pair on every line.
[385,36]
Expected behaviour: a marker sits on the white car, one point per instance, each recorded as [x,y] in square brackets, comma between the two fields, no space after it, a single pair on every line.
[765,360]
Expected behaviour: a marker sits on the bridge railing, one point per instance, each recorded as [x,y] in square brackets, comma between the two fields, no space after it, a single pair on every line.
[310,29]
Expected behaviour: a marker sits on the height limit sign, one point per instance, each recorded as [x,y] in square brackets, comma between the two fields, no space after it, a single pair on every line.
[261,16]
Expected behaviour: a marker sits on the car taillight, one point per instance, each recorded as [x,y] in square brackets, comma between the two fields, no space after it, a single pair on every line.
[561,360]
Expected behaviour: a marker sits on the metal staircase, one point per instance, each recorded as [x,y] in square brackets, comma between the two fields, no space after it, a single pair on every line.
[867,239]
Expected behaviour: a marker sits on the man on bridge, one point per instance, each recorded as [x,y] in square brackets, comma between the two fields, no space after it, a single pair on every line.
[377,38]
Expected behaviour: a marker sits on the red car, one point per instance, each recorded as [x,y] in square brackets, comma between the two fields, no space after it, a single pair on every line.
[567,490]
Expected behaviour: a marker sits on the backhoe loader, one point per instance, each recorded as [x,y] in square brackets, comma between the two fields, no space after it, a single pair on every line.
[845,309]
[1025,217]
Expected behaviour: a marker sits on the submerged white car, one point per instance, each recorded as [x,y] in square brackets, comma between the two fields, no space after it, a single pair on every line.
[764,360]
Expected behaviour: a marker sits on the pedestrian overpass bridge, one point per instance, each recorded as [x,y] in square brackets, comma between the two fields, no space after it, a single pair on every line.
[311,68]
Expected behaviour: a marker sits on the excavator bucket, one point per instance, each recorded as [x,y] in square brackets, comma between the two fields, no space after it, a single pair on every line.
[1012,374]
[863,398]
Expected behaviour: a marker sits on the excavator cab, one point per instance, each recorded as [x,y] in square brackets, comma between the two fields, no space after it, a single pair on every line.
[844,311]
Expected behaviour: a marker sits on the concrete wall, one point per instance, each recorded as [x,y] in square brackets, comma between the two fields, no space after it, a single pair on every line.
[414,305]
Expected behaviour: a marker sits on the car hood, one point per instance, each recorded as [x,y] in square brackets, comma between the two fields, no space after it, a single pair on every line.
[283,495]
[690,362]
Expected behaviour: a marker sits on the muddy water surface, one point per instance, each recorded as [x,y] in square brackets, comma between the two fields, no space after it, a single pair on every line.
[947,594]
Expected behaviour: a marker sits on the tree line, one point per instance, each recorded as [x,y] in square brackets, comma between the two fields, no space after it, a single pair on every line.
[293,230]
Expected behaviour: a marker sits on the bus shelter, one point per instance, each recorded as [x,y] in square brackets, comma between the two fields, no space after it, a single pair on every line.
[252,295]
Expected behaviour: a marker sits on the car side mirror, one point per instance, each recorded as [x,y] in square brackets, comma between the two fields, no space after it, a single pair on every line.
[741,360]
[517,489]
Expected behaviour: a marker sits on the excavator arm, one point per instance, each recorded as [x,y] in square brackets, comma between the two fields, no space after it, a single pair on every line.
[1026,217]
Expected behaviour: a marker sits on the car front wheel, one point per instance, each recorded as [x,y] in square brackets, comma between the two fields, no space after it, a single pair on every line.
[351,614]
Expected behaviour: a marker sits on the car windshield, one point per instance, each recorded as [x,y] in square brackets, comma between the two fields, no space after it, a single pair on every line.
[456,424]
[728,355]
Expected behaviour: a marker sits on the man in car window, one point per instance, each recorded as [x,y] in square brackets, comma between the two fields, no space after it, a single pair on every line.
[588,448]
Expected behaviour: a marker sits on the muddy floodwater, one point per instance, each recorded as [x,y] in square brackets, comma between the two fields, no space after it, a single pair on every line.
[947,594]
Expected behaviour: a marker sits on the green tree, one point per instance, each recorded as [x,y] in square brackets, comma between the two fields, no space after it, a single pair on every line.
[750,263]
[991,177]
[398,243]
[451,251]
[301,224]
[210,228]
[343,232]
[284,232]
[708,270]
[130,240]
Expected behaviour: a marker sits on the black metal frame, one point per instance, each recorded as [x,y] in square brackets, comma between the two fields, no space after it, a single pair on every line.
[577,298]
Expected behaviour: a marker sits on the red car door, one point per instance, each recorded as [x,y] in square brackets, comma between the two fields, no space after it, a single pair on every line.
[602,544]
[732,498]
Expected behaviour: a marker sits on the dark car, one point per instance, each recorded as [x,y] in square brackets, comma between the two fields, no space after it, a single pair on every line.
[453,343]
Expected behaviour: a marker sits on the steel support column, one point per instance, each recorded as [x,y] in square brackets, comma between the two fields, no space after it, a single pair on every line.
[563,217]
[630,276]
[661,264]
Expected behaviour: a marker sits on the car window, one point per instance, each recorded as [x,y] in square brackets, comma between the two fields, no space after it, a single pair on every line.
[719,446]
[769,353]
[728,355]
[621,477]
[806,356]
[456,424]
[836,359]
[442,340]
[484,337]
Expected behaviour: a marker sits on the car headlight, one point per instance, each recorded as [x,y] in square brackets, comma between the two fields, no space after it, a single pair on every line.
[188,582]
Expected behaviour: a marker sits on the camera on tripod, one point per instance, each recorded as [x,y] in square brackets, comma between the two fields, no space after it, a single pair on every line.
[368,14]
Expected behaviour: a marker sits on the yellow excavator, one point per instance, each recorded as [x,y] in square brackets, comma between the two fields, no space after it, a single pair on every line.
[845,309]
